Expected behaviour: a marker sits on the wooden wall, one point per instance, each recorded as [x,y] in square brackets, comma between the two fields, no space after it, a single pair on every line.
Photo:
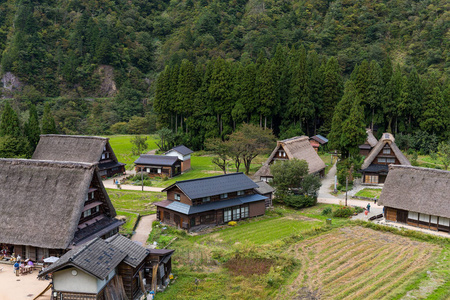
[257,209]
[391,214]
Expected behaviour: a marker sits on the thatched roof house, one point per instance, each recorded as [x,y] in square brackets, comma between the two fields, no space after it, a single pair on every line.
[48,207]
[417,196]
[86,149]
[297,147]
[375,166]
[371,142]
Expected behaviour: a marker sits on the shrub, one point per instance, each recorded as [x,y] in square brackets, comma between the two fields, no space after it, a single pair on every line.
[343,212]
[359,209]
[300,201]
[327,211]
[232,223]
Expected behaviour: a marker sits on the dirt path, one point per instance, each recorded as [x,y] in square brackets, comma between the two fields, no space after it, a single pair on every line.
[143,229]
[21,287]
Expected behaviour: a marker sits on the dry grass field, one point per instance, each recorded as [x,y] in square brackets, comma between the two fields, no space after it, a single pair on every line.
[358,263]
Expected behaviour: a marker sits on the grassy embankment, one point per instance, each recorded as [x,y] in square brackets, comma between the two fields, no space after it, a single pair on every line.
[122,148]
[369,193]
[290,253]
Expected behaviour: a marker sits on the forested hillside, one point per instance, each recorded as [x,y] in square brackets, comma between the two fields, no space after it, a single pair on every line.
[279,64]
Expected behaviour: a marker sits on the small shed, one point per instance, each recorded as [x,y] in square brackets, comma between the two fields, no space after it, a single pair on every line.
[266,190]
[184,155]
[317,141]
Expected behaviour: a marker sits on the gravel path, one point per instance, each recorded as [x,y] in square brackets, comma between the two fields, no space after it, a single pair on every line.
[143,229]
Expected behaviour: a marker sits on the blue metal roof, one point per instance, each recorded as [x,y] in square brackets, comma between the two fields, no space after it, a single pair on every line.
[189,210]
[322,138]
[216,185]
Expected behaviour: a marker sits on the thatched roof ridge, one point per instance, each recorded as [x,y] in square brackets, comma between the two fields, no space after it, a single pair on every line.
[417,189]
[371,139]
[70,148]
[42,201]
[386,139]
[297,147]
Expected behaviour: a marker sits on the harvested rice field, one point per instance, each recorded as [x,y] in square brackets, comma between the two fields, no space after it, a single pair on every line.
[359,263]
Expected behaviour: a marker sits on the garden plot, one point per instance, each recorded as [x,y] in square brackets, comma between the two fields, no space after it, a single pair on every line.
[358,263]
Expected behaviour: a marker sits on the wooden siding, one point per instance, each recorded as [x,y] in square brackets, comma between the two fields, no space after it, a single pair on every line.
[185,165]
[183,198]
[391,214]
[77,296]
[257,209]
[199,201]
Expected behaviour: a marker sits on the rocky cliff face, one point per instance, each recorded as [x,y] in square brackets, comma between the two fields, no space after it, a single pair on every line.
[9,83]
[107,84]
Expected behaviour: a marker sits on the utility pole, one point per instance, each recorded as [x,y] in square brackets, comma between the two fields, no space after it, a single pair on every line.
[142,179]
[346,188]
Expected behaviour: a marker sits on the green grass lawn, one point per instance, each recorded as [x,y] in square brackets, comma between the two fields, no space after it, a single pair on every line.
[122,148]
[131,219]
[135,201]
[369,193]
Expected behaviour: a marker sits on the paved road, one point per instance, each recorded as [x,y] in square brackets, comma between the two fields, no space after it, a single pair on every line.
[326,197]
[143,229]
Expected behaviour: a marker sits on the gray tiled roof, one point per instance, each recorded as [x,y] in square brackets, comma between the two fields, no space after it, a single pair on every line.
[135,253]
[210,186]
[97,258]
[263,187]
[156,160]
[189,210]
[183,150]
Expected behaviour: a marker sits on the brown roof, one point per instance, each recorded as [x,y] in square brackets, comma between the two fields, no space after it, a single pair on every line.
[386,139]
[87,149]
[42,201]
[371,139]
[417,189]
[297,147]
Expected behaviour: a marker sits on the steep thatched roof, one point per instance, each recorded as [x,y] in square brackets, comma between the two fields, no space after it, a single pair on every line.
[297,147]
[386,139]
[41,201]
[417,189]
[371,139]
[87,149]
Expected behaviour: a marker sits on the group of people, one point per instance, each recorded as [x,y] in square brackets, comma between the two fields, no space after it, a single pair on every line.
[23,267]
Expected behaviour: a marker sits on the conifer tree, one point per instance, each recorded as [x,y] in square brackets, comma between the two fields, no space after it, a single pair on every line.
[433,119]
[32,130]
[186,89]
[315,84]
[10,123]
[374,92]
[161,103]
[411,99]
[332,92]
[391,99]
[267,93]
[48,123]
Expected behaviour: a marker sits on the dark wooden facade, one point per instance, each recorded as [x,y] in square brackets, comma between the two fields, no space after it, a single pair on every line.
[417,219]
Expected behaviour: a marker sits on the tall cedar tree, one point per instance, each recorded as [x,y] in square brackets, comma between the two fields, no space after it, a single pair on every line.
[32,129]
[267,93]
[186,89]
[412,98]
[48,122]
[10,123]
[315,83]
[391,99]
[161,102]
[374,94]
[332,92]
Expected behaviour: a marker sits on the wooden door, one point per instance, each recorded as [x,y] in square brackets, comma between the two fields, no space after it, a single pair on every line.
[402,215]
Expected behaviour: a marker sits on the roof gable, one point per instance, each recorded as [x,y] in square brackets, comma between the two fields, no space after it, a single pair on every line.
[135,253]
[371,139]
[417,189]
[215,185]
[87,149]
[386,139]
[297,147]
[42,201]
[183,150]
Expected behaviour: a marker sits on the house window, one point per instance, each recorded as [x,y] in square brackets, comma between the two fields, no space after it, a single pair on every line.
[413,215]
[95,209]
[87,213]
[206,199]
[390,160]
[444,221]
[424,218]
[371,179]
[224,196]
[386,151]
[227,215]
[236,212]
[244,212]
[381,159]
[177,197]
[240,193]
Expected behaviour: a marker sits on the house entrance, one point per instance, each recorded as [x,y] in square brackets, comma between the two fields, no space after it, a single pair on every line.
[402,215]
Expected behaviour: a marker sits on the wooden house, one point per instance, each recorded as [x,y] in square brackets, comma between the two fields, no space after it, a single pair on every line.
[370,142]
[318,141]
[116,268]
[210,201]
[418,197]
[184,155]
[48,207]
[87,149]
[158,165]
[297,147]
[376,165]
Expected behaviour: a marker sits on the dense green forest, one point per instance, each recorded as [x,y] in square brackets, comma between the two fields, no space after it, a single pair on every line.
[203,67]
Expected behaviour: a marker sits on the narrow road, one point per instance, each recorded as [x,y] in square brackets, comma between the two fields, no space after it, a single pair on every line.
[143,229]
[109,184]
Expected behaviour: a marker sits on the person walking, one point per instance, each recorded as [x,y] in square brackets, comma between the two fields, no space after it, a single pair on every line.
[368,207]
